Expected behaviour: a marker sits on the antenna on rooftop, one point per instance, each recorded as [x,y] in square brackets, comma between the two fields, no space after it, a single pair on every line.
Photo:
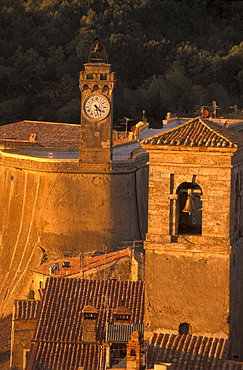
[126,122]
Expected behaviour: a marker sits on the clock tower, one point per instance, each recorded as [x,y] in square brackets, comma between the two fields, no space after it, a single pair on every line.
[96,84]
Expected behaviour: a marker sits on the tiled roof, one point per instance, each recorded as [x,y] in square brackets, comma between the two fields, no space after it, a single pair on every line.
[5,360]
[198,133]
[12,143]
[49,134]
[5,333]
[77,265]
[187,352]
[26,309]
[64,356]
[57,342]
[60,315]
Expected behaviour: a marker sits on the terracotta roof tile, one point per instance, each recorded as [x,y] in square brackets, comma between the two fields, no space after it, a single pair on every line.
[63,356]
[49,134]
[26,309]
[79,264]
[187,352]
[64,300]
[5,360]
[57,342]
[198,133]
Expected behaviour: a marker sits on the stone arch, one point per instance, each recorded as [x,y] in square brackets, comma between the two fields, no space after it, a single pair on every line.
[95,88]
[85,87]
[105,88]
[189,209]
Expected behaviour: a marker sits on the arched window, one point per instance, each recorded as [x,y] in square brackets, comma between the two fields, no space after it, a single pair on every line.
[133,352]
[103,76]
[105,88]
[189,209]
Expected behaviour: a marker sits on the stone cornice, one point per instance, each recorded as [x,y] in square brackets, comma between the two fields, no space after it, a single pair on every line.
[72,165]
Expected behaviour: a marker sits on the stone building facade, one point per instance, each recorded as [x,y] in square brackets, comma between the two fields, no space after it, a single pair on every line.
[193,249]
[59,206]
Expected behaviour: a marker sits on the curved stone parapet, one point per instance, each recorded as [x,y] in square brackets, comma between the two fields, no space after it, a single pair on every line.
[56,208]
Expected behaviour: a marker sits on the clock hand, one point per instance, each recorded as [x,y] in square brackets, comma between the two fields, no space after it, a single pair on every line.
[98,111]
[97,108]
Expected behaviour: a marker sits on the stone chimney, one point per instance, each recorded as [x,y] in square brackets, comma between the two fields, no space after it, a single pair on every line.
[122,315]
[134,351]
[89,320]
[33,138]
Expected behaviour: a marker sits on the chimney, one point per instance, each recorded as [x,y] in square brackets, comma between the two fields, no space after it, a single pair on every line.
[134,351]
[33,138]
[89,320]
[122,315]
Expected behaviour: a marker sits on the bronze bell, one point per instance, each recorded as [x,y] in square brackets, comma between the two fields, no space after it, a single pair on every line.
[190,203]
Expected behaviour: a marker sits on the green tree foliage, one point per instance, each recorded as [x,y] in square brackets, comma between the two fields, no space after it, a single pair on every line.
[168,55]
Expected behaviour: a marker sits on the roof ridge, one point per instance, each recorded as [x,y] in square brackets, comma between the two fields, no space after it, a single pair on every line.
[197,132]
[48,122]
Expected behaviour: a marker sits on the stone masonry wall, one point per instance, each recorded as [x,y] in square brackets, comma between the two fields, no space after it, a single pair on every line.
[187,276]
[52,209]
[22,334]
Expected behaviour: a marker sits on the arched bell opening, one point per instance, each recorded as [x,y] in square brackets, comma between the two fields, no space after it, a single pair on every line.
[189,209]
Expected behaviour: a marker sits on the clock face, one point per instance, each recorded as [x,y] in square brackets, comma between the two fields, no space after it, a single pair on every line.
[96,107]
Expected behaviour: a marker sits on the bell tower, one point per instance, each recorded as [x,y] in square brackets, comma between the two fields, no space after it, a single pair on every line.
[96,84]
[193,248]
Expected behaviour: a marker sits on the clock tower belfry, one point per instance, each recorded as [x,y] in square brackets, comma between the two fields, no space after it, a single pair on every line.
[96,84]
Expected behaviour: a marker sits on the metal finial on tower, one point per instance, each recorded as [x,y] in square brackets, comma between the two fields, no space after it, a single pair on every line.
[97,53]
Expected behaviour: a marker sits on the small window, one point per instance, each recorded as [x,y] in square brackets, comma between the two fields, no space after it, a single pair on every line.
[105,88]
[189,209]
[90,316]
[117,353]
[122,317]
[89,76]
[25,357]
[103,76]
[133,352]
[66,264]
[184,328]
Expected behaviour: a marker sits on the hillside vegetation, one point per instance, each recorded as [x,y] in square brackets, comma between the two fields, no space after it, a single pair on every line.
[168,55]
